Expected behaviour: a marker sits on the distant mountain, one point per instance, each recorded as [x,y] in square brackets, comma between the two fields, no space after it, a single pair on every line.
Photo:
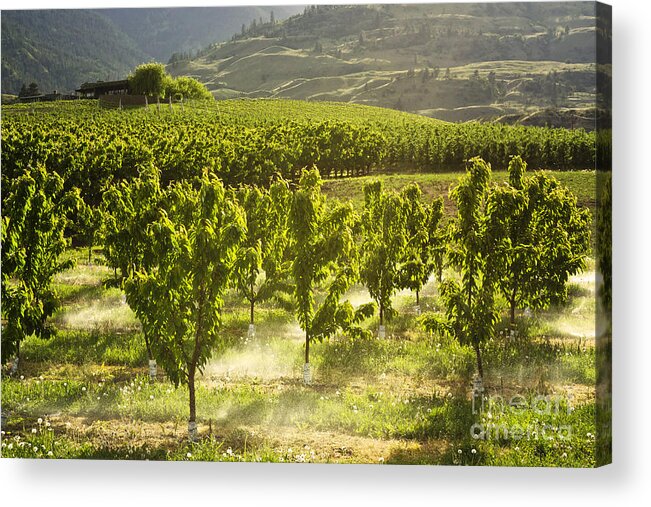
[451,61]
[164,31]
[60,49]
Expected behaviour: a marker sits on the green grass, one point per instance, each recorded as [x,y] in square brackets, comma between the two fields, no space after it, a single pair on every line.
[580,183]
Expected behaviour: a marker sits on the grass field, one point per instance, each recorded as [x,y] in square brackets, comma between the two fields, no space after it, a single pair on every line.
[581,183]
[406,399]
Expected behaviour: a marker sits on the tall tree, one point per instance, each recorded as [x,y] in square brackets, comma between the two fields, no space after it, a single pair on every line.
[424,240]
[35,210]
[128,208]
[471,311]
[194,242]
[262,266]
[149,79]
[325,257]
[32,90]
[547,237]
[383,243]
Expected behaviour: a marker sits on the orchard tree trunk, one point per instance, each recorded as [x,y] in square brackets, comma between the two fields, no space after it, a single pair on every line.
[480,368]
[512,303]
[192,420]
[152,362]
[417,297]
[16,364]
[307,374]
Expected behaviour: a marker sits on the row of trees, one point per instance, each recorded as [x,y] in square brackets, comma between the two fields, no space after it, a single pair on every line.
[179,247]
[523,240]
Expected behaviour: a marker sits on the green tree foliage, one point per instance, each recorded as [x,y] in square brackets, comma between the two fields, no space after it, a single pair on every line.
[148,79]
[35,210]
[194,242]
[89,222]
[471,311]
[323,243]
[383,245]
[187,88]
[424,241]
[128,208]
[262,266]
[33,89]
[546,238]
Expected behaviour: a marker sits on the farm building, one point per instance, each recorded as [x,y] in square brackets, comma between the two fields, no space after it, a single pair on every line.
[45,97]
[95,90]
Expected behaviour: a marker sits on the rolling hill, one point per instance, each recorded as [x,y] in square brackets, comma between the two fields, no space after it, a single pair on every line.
[515,62]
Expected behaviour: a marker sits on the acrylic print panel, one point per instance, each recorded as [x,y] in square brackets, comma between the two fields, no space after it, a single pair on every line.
[325,234]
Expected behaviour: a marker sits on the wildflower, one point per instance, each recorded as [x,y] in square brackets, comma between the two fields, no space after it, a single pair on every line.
[459,451]
[33,430]
[229,451]
[50,453]
[83,388]
[65,384]
[188,455]
[151,396]
[381,459]
[564,455]
[22,377]
[474,451]
[39,420]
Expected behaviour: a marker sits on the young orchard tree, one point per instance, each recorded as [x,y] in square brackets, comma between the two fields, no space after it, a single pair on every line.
[384,240]
[325,257]
[547,238]
[128,208]
[424,240]
[194,243]
[262,267]
[471,311]
[35,211]
[89,224]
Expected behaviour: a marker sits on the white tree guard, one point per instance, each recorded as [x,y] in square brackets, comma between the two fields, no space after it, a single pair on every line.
[192,431]
[251,332]
[477,385]
[14,367]
[382,333]
[153,369]
[307,374]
